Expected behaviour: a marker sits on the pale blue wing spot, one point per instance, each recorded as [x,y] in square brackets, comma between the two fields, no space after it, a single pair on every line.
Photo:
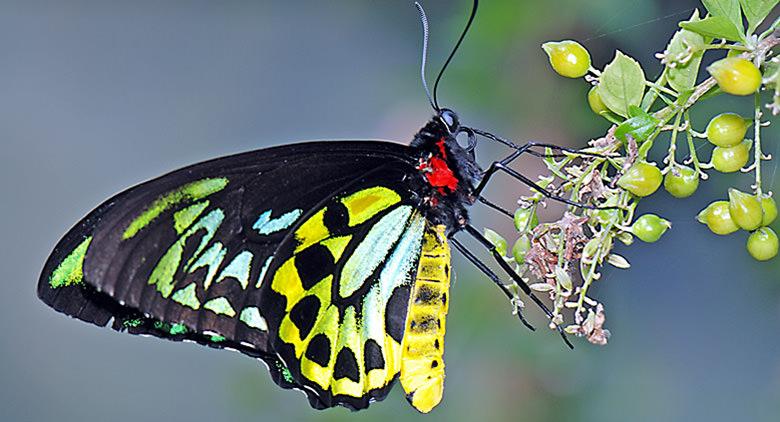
[210,259]
[239,268]
[220,306]
[263,271]
[251,317]
[373,250]
[266,225]
[187,297]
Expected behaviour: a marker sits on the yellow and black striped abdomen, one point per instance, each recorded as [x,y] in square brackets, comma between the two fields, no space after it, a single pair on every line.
[422,366]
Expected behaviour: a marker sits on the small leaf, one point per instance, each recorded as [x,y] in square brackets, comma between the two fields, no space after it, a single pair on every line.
[541,287]
[526,219]
[618,261]
[497,240]
[756,11]
[622,84]
[563,278]
[715,27]
[684,54]
[640,126]
[728,9]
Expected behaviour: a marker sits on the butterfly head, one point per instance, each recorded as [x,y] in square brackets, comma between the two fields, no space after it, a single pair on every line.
[450,120]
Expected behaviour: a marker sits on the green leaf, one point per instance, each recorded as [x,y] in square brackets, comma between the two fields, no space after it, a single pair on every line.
[756,11]
[715,27]
[728,9]
[526,219]
[684,54]
[622,84]
[640,126]
[497,240]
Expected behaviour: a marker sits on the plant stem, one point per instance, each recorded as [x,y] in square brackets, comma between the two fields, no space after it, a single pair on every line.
[673,142]
[692,146]
[758,154]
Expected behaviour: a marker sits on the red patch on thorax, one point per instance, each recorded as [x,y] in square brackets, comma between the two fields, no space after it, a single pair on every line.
[437,171]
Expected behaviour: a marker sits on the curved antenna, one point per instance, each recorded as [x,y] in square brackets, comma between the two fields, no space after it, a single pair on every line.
[424,20]
[452,54]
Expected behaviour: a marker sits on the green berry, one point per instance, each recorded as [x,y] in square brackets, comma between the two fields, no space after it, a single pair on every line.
[681,181]
[727,129]
[650,227]
[641,179]
[568,58]
[769,207]
[731,159]
[745,210]
[520,248]
[736,76]
[717,218]
[762,244]
[595,101]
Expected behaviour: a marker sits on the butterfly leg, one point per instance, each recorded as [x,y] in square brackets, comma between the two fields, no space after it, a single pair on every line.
[515,277]
[491,275]
[503,165]
[496,207]
[531,144]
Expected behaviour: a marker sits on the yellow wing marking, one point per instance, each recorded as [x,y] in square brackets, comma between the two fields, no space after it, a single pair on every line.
[336,245]
[422,348]
[311,231]
[349,337]
[364,204]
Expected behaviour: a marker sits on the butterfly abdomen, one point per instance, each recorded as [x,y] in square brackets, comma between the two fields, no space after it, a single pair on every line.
[422,366]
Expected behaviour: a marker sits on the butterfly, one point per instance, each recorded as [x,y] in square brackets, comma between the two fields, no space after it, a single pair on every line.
[328,261]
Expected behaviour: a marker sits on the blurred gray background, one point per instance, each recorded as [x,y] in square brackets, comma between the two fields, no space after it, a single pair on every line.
[96,96]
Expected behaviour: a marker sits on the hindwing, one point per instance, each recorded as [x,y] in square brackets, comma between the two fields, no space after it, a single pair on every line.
[338,291]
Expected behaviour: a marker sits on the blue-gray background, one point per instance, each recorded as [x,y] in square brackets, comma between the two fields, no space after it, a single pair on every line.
[96,96]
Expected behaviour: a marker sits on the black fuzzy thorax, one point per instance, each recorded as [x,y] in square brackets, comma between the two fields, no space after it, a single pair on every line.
[449,207]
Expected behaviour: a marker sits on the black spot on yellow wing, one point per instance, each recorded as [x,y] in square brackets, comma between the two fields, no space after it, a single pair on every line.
[319,350]
[313,264]
[346,366]
[395,313]
[304,314]
[372,356]
[336,217]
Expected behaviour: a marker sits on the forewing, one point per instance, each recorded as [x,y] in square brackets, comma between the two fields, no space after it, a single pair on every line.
[180,256]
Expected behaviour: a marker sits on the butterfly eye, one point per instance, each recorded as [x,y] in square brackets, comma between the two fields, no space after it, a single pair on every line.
[450,119]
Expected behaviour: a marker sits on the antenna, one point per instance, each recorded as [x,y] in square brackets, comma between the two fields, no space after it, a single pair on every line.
[452,54]
[424,20]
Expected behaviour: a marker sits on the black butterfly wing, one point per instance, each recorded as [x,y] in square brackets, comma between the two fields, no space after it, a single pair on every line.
[183,255]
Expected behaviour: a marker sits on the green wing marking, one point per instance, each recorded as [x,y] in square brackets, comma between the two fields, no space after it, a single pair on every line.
[190,192]
[70,271]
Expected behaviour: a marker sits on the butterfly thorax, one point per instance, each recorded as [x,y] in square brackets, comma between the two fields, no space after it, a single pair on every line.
[449,173]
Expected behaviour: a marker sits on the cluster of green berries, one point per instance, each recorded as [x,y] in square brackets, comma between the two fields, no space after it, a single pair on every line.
[734,75]
[747,212]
